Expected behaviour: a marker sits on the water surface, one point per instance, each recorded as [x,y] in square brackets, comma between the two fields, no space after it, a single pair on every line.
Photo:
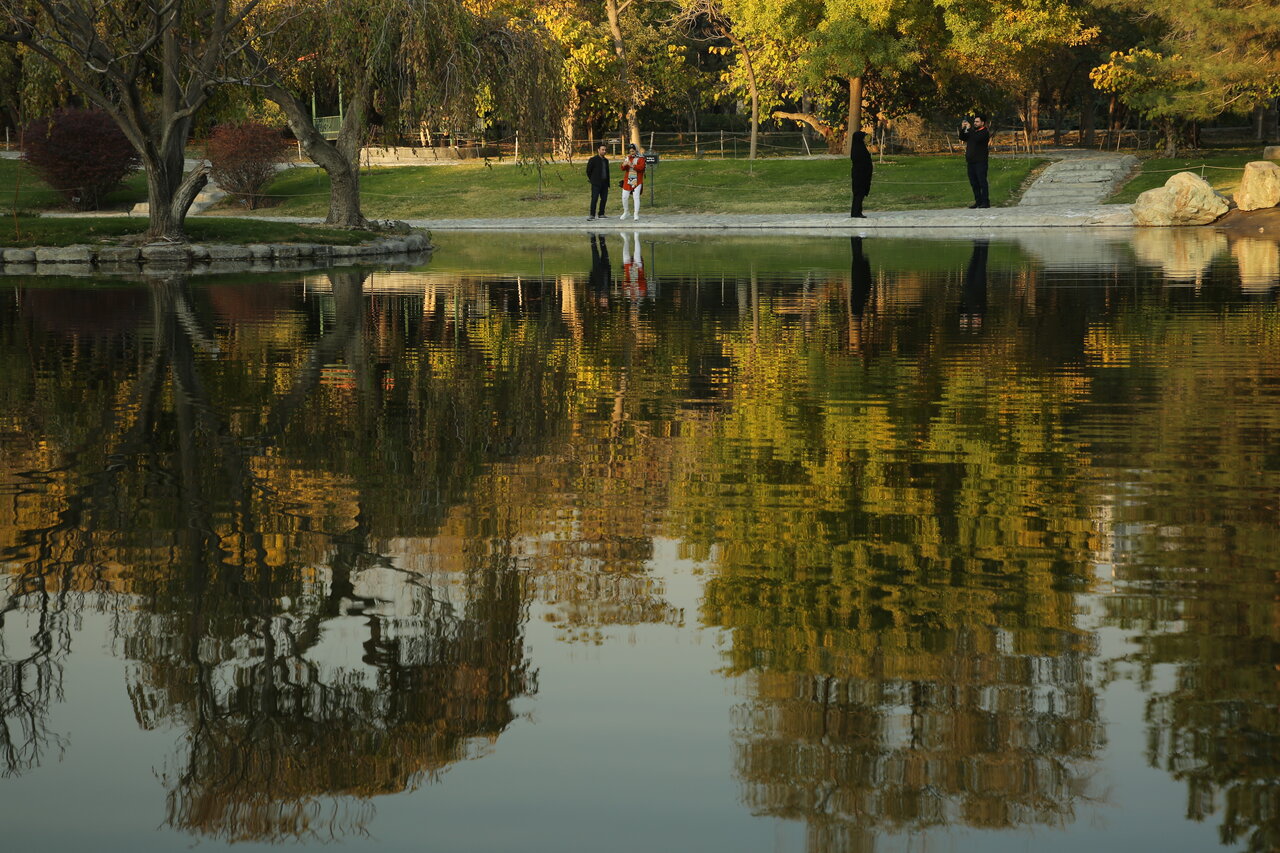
[637,543]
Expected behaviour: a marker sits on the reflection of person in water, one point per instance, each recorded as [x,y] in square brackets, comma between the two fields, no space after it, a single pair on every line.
[859,291]
[973,299]
[600,280]
[633,280]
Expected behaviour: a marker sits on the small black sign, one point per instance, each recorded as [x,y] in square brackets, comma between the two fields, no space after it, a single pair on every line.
[651,158]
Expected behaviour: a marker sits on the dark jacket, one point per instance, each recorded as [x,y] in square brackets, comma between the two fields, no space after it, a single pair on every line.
[976,142]
[860,164]
[598,170]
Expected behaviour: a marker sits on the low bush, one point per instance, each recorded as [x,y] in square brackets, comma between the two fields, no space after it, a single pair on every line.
[244,158]
[82,154]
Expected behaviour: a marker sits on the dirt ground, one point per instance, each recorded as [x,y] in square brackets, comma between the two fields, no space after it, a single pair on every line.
[1251,223]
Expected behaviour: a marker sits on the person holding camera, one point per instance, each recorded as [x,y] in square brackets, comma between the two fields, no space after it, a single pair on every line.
[632,181]
[977,139]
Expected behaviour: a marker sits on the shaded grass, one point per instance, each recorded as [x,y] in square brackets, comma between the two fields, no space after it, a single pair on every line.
[21,189]
[502,190]
[1221,168]
[25,231]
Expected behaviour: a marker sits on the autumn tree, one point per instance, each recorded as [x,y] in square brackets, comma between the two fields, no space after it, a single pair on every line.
[1199,59]
[151,67]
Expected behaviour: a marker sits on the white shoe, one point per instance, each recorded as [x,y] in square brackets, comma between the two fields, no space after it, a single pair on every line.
[636,217]
[623,216]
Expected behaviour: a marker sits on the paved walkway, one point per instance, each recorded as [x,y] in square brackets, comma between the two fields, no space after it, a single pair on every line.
[1079,178]
[1087,215]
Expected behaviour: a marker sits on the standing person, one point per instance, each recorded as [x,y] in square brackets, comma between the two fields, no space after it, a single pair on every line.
[598,175]
[632,181]
[977,139]
[859,172]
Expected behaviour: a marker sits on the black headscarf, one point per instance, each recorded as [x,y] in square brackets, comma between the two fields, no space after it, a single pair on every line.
[860,163]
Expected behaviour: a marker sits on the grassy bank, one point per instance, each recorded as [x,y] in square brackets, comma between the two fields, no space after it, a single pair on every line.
[22,190]
[1222,168]
[26,231]
[479,191]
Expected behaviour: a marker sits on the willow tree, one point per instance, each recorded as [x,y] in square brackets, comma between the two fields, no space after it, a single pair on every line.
[151,67]
[423,60]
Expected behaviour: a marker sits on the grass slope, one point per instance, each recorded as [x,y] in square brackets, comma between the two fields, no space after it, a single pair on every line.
[1221,168]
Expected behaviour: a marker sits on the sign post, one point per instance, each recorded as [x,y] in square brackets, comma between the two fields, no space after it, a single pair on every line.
[650,165]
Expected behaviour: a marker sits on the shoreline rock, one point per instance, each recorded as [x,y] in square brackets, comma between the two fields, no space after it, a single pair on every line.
[200,258]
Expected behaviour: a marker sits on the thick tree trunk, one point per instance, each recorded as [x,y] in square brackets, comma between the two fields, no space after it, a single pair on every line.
[343,170]
[1170,138]
[611,9]
[855,111]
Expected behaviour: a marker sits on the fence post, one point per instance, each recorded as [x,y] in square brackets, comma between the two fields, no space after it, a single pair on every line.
[722,145]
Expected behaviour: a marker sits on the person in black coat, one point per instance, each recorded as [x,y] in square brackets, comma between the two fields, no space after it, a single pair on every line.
[977,140]
[859,172]
[598,175]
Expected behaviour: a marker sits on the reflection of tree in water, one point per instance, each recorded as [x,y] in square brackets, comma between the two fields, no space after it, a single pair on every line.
[1190,491]
[302,665]
[900,589]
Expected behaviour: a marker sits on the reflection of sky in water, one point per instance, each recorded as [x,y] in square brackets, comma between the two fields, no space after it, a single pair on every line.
[643,724]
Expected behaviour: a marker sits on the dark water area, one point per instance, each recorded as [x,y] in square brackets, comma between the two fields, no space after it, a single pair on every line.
[635,543]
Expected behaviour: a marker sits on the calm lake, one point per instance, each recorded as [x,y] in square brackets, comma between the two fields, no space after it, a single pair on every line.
[646,543]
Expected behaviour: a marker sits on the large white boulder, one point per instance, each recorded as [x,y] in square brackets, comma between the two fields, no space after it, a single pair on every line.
[1185,199]
[1259,187]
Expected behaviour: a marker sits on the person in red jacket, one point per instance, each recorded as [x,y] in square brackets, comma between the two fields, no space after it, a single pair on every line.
[632,181]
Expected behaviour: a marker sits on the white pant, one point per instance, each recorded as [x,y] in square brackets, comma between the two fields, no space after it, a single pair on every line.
[631,255]
[634,195]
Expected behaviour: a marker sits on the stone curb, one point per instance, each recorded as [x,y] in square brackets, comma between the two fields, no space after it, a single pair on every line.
[169,257]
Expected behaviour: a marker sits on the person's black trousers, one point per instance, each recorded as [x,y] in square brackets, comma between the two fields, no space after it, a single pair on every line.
[598,192]
[978,180]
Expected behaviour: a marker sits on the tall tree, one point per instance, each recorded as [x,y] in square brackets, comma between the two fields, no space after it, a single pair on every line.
[1200,59]
[151,66]
[425,60]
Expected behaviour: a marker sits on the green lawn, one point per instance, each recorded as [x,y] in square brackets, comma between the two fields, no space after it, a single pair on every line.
[24,231]
[1222,168]
[476,190]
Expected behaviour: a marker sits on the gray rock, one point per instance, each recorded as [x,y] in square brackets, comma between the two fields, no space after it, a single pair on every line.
[165,253]
[64,255]
[19,268]
[260,251]
[199,252]
[19,256]
[1271,152]
[321,250]
[229,253]
[343,251]
[284,250]
[119,255]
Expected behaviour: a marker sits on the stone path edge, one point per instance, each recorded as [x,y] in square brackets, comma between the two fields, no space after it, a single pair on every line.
[196,257]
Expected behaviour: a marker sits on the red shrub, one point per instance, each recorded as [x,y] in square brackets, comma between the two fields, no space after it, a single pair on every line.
[244,158]
[82,154]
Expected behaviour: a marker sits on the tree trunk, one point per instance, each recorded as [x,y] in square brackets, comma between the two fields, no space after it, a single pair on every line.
[751,84]
[343,170]
[1088,119]
[1170,138]
[855,111]
[620,50]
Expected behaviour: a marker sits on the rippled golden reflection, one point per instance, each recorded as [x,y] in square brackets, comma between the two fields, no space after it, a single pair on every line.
[322,511]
